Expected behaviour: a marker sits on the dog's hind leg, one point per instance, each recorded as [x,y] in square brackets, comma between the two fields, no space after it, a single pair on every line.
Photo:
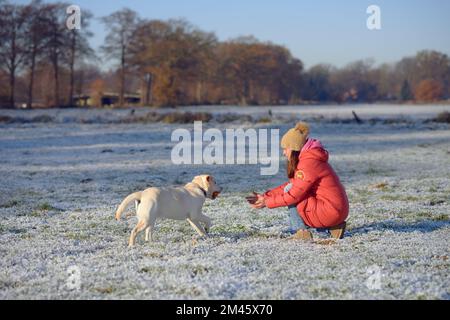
[197,227]
[142,225]
[147,210]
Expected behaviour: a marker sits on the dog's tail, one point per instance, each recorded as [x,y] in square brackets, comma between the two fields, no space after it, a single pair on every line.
[126,202]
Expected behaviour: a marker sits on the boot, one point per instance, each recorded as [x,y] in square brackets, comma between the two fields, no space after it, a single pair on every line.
[337,232]
[302,234]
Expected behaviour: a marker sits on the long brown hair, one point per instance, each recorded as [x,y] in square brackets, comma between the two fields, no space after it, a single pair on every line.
[292,163]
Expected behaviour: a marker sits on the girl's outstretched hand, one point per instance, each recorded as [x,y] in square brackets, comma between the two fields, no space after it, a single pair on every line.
[252,199]
[256,200]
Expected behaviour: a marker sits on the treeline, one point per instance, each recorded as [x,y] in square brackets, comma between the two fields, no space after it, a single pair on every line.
[424,77]
[168,63]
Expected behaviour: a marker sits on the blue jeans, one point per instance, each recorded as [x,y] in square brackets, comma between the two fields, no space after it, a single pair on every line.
[295,220]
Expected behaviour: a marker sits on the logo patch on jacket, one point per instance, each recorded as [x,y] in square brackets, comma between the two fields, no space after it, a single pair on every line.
[300,175]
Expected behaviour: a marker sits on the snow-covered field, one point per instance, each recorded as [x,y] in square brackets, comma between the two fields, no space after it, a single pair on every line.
[62,180]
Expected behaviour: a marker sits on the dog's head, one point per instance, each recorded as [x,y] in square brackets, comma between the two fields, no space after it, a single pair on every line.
[208,183]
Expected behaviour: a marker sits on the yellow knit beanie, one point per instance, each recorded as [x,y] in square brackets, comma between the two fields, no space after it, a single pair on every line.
[296,137]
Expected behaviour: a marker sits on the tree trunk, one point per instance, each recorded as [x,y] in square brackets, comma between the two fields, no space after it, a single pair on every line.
[12,84]
[199,92]
[122,88]
[148,90]
[79,88]
[72,67]
[56,85]
[31,83]
[122,79]
[245,92]
[12,73]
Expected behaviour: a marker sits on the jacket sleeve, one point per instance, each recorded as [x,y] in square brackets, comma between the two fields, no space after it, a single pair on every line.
[298,192]
[277,190]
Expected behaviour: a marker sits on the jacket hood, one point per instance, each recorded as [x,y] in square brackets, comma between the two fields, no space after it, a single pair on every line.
[311,144]
[313,149]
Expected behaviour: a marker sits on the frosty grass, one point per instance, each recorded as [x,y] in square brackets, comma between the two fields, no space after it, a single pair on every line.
[62,180]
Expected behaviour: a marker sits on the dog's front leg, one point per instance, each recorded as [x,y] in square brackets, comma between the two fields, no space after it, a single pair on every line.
[197,227]
[149,234]
[206,220]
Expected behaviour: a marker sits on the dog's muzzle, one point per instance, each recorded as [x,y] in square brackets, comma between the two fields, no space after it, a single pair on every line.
[215,194]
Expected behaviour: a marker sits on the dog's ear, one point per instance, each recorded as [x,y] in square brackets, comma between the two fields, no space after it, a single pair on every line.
[208,178]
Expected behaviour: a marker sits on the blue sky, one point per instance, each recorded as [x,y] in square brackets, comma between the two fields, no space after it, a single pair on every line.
[319,31]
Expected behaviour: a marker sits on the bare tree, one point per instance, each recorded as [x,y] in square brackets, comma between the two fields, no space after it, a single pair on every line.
[13,43]
[78,48]
[37,34]
[56,45]
[121,25]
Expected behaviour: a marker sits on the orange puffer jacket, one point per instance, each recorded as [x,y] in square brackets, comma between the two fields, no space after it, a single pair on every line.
[320,197]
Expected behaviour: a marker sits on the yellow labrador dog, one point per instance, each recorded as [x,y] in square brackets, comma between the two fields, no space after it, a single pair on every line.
[179,203]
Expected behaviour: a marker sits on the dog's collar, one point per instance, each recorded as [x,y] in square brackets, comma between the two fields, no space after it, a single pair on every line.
[203,190]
